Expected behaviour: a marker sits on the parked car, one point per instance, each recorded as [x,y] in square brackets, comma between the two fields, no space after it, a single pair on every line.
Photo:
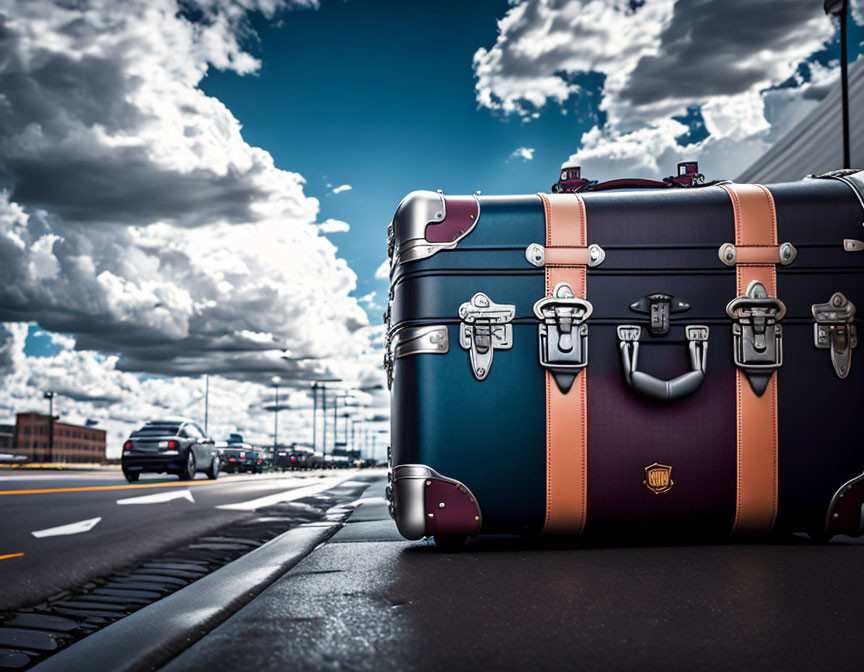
[173,446]
[299,458]
[309,459]
[282,459]
[265,455]
[241,457]
[233,457]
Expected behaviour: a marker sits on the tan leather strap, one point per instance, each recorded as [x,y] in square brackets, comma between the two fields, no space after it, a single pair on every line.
[566,414]
[757,254]
[567,256]
[756,506]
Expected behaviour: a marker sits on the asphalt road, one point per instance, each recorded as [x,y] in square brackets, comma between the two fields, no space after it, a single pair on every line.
[368,600]
[60,530]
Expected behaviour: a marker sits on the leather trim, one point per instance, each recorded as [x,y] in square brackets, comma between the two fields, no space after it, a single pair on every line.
[757,444]
[566,414]
[567,256]
[757,254]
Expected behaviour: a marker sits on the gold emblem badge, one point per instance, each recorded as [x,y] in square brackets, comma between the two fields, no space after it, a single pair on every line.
[658,478]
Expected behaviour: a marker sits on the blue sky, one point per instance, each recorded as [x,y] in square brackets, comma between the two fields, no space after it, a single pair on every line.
[380,95]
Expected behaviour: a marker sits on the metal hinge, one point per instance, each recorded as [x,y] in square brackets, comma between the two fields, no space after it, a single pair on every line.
[562,334]
[834,329]
[658,307]
[388,360]
[431,339]
[485,328]
[758,338]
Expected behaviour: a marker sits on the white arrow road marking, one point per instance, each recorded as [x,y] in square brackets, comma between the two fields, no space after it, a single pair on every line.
[159,497]
[71,528]
[286,496]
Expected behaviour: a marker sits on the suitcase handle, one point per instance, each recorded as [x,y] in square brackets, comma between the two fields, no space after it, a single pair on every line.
[657,388]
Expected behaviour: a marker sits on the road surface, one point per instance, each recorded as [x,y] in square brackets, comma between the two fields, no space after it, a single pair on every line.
[363,598]
[368,600]
[61,530]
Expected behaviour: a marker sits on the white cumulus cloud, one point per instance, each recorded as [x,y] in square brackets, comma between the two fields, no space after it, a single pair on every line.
[333,226]
[524,153]
[656,60]
[136,218]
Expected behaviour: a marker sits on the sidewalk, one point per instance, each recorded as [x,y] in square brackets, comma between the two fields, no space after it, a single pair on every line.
[368,600]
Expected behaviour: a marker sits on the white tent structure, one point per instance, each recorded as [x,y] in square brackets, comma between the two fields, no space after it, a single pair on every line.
[815,145]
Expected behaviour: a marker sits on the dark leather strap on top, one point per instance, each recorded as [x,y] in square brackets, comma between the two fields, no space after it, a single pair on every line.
[853,177]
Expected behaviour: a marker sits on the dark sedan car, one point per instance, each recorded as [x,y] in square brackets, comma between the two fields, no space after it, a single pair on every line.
[174,446]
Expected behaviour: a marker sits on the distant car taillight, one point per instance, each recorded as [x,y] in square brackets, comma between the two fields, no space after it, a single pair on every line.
[173,445]
[242,454]
[260,461]
[293,458]
[127,446]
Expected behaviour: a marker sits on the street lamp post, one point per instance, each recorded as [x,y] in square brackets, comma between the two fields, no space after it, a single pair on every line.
[206,403]
[324,420]
[320,384]
[50,397]
[276,380]
[314,415]
[840,8]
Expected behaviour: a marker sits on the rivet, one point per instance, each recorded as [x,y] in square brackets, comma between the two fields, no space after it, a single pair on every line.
[431,515]
[471,216]
[729,255]
[477,518]
[440,505]
[594,254]
[836,516]
[428,483]
[481,372]
[438,215]
[836,300]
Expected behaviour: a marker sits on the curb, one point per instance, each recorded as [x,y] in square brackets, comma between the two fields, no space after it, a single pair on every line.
[152,636]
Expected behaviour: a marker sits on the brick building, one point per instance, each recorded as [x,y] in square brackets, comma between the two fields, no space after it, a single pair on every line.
[72,443]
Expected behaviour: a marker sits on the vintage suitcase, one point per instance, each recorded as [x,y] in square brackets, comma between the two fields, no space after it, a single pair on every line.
[718,394]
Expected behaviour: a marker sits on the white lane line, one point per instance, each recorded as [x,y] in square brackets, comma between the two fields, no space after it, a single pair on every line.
[286,496]
[159,497]
[71,528]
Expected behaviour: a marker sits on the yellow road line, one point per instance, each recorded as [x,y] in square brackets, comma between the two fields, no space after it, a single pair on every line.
[11,555]
[176,484]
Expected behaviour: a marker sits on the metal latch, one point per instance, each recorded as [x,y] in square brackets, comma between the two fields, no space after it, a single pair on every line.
[758,338]
[485,328]
[562,334]
[834,329]
[658,307]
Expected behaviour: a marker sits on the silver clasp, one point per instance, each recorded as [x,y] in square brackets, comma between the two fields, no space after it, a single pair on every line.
[758,338]
[834,330]
[485,328]
[562,334]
